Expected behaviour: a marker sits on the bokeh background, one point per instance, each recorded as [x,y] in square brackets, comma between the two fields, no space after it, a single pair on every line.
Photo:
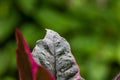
[92,27]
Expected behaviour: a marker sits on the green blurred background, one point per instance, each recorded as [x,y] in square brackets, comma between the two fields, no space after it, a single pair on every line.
[92,27]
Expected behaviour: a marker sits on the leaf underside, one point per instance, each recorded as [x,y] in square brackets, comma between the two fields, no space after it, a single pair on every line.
[54,53]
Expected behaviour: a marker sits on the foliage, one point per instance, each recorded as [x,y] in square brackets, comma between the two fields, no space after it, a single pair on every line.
[54,53]
[91,27]
[27,66]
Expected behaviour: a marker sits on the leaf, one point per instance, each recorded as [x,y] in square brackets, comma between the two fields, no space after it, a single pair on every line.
[28,68]
[117,77]
[54,20]
[28,7]
[54,53]
[9,24]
